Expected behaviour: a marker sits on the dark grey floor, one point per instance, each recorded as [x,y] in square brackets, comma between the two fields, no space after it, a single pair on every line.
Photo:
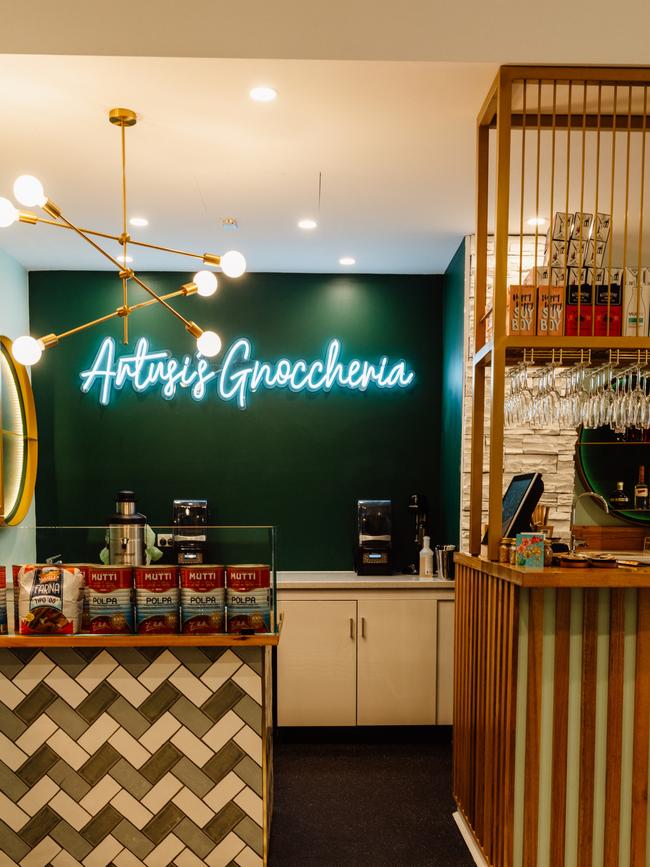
[364,798]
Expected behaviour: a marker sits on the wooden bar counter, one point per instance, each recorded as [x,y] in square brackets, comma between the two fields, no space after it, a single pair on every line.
[552,714]
[132,750]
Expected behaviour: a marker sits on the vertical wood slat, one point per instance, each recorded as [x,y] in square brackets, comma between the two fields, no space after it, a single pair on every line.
[497,788]
[641,731]
[587,728]
[533,725]
[614,727]
[560,725]
[479,755]
[510,678]
[489,728]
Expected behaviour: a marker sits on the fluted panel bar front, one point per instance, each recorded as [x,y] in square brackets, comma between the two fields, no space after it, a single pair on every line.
[552,725]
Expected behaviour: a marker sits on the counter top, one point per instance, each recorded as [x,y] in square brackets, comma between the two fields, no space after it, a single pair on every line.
[558,577]
[352,581]
[85,640]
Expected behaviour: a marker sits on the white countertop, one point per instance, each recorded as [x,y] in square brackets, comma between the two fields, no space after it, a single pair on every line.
[352,581]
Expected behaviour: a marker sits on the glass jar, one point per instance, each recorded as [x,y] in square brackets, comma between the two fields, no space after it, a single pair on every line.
[506,546]
[548,553]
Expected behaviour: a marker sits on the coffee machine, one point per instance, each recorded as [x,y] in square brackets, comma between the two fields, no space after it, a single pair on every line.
[373,554]
[189,536]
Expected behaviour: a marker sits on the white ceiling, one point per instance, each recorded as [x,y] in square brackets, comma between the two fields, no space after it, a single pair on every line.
[501,31]
[394,142]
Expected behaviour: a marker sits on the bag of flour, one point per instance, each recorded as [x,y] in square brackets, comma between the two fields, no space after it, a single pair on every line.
[50,600]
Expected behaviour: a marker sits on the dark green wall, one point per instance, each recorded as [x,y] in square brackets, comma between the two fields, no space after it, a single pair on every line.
[296,460]
[451,412]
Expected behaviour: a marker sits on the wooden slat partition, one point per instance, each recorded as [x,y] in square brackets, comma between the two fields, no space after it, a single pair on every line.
[489,758]
[485,697]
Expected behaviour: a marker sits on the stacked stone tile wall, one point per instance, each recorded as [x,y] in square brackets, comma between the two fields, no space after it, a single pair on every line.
[547,450]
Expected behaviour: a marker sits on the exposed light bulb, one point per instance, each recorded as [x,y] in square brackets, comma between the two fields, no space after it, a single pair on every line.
[140,222]
[206,283]
[27,350]
[29,191]
[307,224]
[347,260]
[124,259]
[209,344]
[8,214]
[536,221]
[233,264]
[263,93]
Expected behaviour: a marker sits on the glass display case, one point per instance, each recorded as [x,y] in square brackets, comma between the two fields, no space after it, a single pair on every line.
[243,557]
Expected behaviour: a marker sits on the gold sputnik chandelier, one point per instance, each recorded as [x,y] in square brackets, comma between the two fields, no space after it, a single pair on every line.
[29,192]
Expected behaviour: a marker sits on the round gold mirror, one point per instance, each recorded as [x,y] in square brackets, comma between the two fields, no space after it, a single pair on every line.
[18,438]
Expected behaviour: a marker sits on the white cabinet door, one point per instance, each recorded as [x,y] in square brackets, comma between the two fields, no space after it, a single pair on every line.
[397,662]
[445,663]
[317,663]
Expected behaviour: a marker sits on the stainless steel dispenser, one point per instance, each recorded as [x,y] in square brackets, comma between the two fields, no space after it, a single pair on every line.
[126,532]
[374,537]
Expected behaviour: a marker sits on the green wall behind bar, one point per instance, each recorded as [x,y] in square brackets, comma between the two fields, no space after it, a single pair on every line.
[296,460]
[451,422]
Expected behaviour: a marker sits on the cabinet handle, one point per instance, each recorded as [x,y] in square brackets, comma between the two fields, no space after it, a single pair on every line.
[352,627]
[363,627]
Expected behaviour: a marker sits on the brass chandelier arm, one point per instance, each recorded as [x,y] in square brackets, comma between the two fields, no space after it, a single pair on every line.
[206,258]
[52,339]
[192,327]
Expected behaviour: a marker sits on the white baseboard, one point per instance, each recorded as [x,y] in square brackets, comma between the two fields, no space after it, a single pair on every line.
[470,842]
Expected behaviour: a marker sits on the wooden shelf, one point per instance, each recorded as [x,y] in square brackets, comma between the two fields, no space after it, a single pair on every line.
[100,641]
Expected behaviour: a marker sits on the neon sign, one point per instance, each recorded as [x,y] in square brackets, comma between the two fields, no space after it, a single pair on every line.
[239,376]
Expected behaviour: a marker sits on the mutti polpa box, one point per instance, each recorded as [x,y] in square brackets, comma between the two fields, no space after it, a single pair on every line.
[109,594]
[248,598]
[203,599]
[156,600]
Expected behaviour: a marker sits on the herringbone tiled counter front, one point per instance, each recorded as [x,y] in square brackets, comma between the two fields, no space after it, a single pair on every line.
[133,756]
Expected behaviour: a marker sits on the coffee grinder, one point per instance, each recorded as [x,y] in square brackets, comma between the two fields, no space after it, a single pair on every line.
[373,554]
[189,536]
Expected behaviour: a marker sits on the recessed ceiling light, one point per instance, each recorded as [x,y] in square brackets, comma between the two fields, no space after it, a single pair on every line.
[263,93]
[537,221]
[307,224]
[123,260]
[140,222]
[347,260]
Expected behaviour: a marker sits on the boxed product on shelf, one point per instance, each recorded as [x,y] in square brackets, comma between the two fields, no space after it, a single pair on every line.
[595,253]
[558,254]
[636,306]
[521,310]
[579,320]
[577,254]
[550,311]
[558,276]
[156,600]
[203,599]
[581,229]
[607,321]
[601,226]
[536,277]
[562,226]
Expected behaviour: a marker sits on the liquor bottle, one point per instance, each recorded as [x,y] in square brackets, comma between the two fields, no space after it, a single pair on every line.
[619,499]
[426,559]
[641,491]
